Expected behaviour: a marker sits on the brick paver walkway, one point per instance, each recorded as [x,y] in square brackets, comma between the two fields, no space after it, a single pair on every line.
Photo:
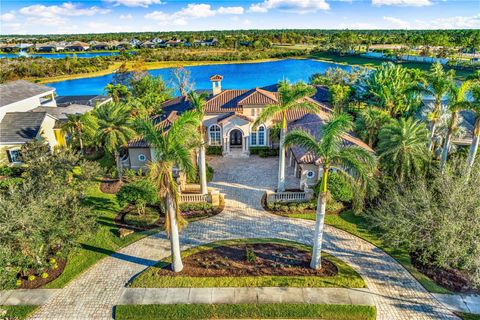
[396,294]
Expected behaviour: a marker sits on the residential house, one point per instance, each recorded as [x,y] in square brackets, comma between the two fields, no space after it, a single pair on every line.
[8,47]
[77,46]
[94,45]
[30,111]
[228,123]
[49,47]
[148,44]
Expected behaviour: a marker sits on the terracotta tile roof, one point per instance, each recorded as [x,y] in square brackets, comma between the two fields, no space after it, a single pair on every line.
[259,97]
[225,101]
[162,125]
[233,114]
[216,77]
[312,123]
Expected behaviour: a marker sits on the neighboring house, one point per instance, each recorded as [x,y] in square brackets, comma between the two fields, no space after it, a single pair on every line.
[148,44]
[94,45]
[49,47]
[8,47]
[77,46]
[228,123]
[30,111]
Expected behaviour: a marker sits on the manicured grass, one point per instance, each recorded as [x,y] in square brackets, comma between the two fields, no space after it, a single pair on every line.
[468,316]
[346,276]
[371,62]
[245,311]
[357,225]
[101,243]
[16,312]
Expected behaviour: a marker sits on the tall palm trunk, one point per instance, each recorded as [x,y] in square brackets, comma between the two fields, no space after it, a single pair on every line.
[80,141]
[475,141]
[316,262]
[448,139]
[119,165]
[433,122]
[177,264]
[281,155]
[203,168]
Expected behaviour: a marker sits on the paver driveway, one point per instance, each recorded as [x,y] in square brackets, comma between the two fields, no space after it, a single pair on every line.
[397,294]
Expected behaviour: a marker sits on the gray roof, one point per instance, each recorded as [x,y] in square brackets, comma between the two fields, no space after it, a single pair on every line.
[19,90]
[61,112]
[89,100]
[20,127]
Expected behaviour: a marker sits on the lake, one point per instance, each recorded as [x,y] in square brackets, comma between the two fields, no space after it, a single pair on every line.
[235,75]
[60,55]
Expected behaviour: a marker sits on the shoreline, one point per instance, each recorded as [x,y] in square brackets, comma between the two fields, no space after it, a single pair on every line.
[149,66]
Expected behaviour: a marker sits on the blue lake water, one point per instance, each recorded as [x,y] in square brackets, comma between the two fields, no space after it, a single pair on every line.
[60,55]
[235,75]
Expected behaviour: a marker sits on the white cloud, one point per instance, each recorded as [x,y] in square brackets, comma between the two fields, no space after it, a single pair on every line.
[125,17]
[358,25]
[230,10]
[399,23]
[56,12]
[191,11]
[402,3]
[135,3]
[457,22]
[7,17]
[295,6]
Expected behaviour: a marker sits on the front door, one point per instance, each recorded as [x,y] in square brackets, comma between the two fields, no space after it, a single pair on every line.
[235,138]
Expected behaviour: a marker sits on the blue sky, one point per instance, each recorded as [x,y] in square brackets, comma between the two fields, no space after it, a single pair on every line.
[51,16]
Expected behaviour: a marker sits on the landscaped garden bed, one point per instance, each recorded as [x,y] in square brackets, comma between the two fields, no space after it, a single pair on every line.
[110,186]
[33,279]
[250,263]
[245,311]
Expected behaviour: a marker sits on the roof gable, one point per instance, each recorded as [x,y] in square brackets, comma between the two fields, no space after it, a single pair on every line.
[20,127]
[19,90]
[259,97]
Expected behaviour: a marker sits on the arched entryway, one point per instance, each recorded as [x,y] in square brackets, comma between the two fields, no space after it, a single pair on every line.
[236,138]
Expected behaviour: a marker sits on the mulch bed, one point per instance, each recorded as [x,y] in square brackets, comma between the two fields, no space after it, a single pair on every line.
[39,281]
[190,215]
[453,280]
[260,259]
[110,185]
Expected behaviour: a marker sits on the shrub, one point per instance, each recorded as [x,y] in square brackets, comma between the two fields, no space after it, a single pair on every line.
[11,171]
[214,151]
[140,193]
[195,206]
[9,182]
[339,188]
[436,217]
[250,254]
[196,177]
[264,152]
[44,275]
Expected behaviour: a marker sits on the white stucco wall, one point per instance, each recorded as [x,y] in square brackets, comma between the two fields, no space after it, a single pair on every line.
[27,104]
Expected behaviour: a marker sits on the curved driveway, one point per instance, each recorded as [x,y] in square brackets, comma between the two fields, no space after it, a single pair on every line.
[397,294]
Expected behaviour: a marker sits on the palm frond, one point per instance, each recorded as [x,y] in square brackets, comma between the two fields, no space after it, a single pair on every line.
[302,139]
[268,113]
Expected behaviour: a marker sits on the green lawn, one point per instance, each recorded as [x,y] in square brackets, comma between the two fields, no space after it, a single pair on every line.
[245,311]
[100,244]
[357,225]
[468,316]
[16,312]
[346,277]
[369,62]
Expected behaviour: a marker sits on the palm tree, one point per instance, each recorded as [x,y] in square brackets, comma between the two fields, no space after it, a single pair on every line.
[198,103]
[291,98]
[457,102]
[173,148]
[78,124]
[474,106]
[369,122]
[354,163]
[117,92]
[402,147]
[115,129]
[439,83]
[393,88]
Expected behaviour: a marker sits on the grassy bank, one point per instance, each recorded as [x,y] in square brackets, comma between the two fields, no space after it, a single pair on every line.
[371,62]
[358,226]
[101,243]
[345,278]
[149,65]
[16,312]
[245,311]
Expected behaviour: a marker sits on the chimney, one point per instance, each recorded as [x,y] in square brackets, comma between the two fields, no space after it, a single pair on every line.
[216,84]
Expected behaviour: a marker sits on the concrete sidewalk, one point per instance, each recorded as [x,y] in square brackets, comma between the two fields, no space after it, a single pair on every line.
[26,296]
[458,302]
[262,295]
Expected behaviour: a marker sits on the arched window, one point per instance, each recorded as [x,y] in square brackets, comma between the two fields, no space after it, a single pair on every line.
[214,135]
[261,136]
[257,138]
